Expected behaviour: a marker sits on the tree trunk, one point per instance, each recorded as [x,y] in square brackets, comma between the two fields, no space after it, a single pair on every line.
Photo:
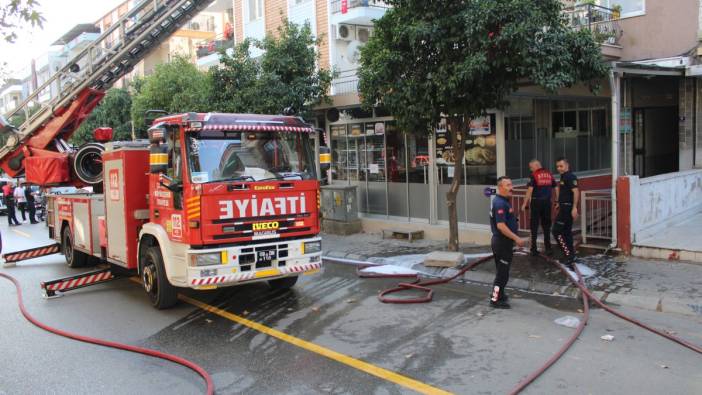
[457,127]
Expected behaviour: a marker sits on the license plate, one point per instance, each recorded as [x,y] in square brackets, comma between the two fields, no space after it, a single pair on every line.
[265,256]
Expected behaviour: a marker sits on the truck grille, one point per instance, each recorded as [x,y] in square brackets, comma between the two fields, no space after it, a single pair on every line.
[248,257]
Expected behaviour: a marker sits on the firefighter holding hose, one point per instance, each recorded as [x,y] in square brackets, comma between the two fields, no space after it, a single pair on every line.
[503,221]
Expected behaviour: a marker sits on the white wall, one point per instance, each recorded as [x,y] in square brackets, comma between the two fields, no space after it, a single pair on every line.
[255,29]
[303,12]
[660,201]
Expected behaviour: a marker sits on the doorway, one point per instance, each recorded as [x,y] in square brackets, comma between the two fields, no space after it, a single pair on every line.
[656,141]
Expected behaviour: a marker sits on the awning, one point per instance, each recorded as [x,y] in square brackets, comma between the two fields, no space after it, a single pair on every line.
[258,128]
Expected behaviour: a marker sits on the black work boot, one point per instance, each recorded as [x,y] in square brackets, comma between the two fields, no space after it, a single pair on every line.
[500,304]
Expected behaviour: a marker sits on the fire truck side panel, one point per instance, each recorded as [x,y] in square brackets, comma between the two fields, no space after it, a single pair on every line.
[86,210]
[126,205]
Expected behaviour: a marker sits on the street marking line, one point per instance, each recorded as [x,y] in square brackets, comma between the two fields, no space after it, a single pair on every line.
[19,232]
[317,349]
[371,369]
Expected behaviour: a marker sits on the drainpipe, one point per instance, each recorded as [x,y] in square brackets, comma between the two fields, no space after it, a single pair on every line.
[614,81]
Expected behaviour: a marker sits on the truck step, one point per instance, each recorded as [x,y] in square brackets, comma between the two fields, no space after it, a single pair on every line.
[54,288]
[31,253]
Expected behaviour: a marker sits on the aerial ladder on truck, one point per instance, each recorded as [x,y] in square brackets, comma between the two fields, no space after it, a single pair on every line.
[80,85]
[209,200]
[40,142]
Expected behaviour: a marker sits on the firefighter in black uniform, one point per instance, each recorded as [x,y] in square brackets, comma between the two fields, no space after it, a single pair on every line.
[538,199]
[503,222]
[568,199]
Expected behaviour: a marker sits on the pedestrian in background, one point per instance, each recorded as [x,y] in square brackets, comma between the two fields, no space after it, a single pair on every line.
[538,200]
[568,197]
[31,204]
[21,201]
[8,194]
[503,222]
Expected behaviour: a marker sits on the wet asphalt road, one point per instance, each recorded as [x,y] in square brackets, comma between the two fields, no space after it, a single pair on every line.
[456,343]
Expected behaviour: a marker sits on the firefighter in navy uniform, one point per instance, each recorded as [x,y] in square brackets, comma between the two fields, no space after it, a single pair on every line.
[503,222]
[568,198]
[538,199]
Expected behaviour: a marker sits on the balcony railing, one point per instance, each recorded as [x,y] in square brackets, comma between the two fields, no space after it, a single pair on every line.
[603,22]
[201,23]
[336,5]
[346,83]
[208,47]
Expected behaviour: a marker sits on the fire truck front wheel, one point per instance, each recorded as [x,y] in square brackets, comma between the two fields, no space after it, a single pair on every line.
[283,283]
[73,258]
[153,275]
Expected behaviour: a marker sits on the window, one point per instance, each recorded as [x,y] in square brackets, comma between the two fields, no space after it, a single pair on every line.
[255,9]
[296,2]
[629,7]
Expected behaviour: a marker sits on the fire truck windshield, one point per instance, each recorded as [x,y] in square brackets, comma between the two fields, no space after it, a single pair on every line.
[249,156]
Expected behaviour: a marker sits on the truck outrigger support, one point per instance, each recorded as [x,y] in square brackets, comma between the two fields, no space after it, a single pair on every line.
[32,253]
[54,288]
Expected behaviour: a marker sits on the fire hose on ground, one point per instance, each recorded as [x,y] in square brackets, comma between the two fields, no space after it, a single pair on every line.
[587,296]
[106,343]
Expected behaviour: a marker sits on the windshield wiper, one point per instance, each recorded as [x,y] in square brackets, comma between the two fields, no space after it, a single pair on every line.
[284,177]
[239,178]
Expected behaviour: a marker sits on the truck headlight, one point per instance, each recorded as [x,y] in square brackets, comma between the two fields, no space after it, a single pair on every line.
[312,247]
[214,258]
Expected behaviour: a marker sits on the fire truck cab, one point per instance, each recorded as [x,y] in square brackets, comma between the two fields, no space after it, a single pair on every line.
[210,200]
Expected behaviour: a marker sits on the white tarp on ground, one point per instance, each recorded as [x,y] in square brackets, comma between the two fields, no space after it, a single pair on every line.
[388,269]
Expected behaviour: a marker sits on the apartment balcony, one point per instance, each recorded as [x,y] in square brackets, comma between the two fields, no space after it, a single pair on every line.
[200,27]
[346,83]
[207,52]
[603,22]
[359,12]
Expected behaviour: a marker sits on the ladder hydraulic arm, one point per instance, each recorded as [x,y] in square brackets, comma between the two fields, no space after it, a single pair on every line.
[82,82]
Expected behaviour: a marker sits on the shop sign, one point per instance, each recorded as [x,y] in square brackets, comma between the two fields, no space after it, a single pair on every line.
[480,126]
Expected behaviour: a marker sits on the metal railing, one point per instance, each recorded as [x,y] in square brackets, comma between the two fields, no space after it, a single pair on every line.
[603,22]
[346,83]
[208,47]
[336,5]
[596,215]
[518,196]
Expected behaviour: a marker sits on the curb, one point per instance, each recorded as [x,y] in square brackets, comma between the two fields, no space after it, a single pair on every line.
[658,303]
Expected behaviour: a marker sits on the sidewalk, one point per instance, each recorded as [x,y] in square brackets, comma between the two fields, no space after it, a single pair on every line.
[656,285]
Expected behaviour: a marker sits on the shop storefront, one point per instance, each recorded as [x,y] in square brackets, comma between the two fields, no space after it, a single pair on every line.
[405,176]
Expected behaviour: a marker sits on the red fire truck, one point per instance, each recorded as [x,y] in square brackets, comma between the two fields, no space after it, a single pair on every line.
[209,200]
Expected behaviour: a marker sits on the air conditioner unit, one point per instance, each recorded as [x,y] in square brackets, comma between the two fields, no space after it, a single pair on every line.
[346,32]
[363,33]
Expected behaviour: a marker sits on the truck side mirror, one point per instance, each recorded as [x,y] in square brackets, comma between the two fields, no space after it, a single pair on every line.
[158,152]
[324,158]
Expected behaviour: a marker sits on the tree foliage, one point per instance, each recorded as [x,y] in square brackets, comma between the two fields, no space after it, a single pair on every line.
[113,111]
[286,75]
[457,59]
[176,86]
[16,14]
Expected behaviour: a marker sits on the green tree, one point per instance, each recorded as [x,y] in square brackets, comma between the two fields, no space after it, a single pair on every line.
[16,14]
[176,86]
[113,111]
[457,59]
[286,75]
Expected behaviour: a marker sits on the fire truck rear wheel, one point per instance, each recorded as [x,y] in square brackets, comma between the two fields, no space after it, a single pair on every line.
[283,283]
[153,275]
[74,258]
